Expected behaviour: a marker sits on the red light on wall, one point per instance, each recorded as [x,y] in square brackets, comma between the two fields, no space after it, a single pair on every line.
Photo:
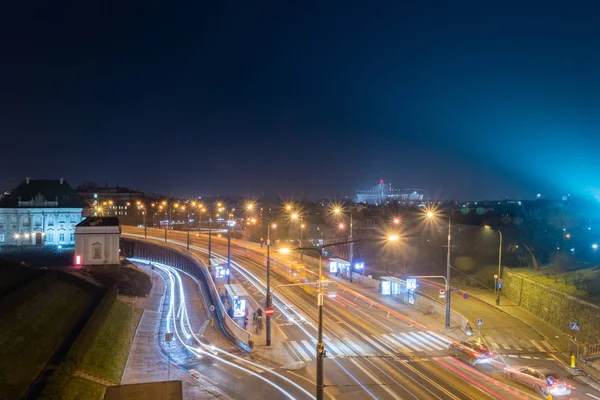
[77,260]
[381,181]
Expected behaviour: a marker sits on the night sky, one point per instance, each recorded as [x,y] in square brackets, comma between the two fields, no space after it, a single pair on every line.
[467,100]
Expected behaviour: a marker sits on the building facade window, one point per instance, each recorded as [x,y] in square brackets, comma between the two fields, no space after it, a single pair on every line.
[73,218]
[37,221]
[2,219]
[62,218]
[26,220]
[72,237]
[50,237]
[1,237]
[50,221]
[61,237]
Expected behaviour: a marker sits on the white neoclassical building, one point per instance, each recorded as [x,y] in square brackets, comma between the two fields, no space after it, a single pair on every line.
[40,212]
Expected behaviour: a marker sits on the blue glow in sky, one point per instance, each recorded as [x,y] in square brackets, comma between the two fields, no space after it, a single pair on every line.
[475,100]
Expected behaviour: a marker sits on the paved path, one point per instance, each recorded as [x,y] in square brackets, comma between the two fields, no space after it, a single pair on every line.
[146,362]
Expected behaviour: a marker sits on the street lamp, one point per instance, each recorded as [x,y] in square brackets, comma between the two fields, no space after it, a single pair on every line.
[270,225]
[320,349]
[430,214]
[497,288]
[337,210]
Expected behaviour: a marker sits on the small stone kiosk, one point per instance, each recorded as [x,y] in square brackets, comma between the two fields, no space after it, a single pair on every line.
[97,241]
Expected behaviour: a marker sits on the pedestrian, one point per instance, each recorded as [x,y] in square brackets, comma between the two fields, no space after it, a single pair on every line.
[245,322]
[259,312]
[254,317]
[259,325]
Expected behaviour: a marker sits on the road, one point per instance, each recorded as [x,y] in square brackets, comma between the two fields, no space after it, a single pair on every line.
[370,354]
[184,314]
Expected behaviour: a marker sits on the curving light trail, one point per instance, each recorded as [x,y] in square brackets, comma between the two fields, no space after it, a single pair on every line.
[204,349]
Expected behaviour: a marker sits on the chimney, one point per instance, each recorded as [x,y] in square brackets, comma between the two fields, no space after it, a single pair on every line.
[62,180]
[27,180]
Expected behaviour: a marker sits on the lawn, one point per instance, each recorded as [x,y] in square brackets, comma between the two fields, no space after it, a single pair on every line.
[32,332]
[107,355]
[80,389]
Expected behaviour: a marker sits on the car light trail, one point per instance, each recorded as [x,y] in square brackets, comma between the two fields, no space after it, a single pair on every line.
[210,350]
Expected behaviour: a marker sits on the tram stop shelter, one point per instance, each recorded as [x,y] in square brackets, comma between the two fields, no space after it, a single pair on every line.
[338,265]
[392,286]
[238,300]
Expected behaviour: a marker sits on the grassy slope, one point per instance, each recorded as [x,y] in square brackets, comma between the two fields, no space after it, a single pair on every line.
[108,354]
[33,331]
[560,284]
[80,389]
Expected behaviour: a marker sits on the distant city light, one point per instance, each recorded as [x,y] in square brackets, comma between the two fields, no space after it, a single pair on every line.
[595,246]
[539,195]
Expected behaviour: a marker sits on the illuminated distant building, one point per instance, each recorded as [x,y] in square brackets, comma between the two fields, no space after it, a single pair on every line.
[382,193]
[40,212]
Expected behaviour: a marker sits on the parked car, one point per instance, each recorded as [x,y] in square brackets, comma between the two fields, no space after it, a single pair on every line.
[537,379]
[471,352]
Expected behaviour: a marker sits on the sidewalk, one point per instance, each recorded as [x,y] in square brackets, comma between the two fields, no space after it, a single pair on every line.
[433,322]
[553,335]
[146,363]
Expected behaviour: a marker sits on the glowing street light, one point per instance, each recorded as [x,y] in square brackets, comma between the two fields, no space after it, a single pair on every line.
[284,250]
[595,246]
[294,216]
[341,226]
[396,221]
[393,238]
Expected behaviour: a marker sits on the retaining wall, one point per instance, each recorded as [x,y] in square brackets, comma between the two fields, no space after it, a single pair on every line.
[555,307]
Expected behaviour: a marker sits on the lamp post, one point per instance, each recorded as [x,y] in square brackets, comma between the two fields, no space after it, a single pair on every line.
[497,288]
[209,236]
[337,210]
[431,214]
[270,224]
[320,349]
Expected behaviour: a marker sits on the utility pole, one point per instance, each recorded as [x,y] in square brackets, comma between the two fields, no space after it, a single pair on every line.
[268,282]
[448,275]
[228,256]
[320,345]
[499,269]
[209,236]
[351,257]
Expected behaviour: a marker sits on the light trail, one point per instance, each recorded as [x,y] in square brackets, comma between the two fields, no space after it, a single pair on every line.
[210,350]
[295,316]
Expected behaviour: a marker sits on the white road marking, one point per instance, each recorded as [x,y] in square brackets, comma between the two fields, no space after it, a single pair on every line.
[506,346]
[440,337]
[396,343]
[310,348]
[409,341]
[426,342]
[592,396]
[300,350]
[436,339]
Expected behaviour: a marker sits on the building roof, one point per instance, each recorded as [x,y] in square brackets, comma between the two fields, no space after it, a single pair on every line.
[99,221]
[41,193]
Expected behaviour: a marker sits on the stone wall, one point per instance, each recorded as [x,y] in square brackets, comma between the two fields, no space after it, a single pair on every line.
[554,307]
